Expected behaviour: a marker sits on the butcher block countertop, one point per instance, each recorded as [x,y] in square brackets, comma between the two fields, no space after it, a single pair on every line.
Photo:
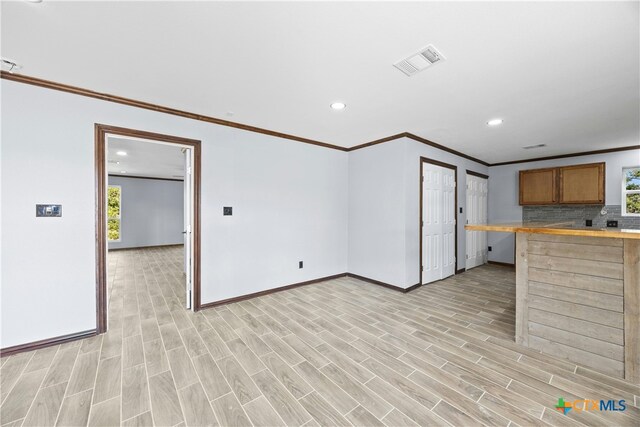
[558,228]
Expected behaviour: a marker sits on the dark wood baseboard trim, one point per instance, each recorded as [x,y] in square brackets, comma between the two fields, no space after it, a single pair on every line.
[411,288]
[462,270]
[268,291]
[386,285]
[36,345]
[503,264]
[308,282]
[146,247]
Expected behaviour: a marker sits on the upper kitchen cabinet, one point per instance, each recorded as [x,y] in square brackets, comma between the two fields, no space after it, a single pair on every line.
[582,184]
[577,185]
[539,186]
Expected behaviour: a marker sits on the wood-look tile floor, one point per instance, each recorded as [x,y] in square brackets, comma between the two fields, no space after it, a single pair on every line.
[339,352]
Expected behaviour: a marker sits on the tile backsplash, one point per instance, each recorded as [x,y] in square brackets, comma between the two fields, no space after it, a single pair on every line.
[579,214]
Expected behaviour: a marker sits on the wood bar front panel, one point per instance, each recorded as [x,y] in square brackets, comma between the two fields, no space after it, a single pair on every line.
[575,298]
[632,310]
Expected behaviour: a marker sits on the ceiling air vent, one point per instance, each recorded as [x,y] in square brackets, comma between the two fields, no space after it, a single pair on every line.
[420,61]
[529,147]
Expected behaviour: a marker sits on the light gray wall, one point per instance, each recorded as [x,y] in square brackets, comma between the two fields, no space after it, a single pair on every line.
[503,192]
[152,212]
[289,200]
[384,209]
[377,213]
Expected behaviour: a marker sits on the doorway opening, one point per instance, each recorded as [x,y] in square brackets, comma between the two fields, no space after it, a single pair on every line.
[147,221]
[438,207]
[477,208]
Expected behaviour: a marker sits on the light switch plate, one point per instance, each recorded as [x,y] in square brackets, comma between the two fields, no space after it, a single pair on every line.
[54,211]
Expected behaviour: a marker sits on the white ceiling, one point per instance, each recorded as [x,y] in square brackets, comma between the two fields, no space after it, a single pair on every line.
[146,159]
[565,74]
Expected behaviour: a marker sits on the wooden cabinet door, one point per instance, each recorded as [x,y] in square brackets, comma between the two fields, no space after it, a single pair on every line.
[582,184]
[539,186]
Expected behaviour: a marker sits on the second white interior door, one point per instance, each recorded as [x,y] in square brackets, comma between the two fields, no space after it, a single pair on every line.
[439,223]
[188,232]
[477,190]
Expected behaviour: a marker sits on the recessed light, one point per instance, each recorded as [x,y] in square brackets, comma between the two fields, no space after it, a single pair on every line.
[494,122]
[121,153]
[338,105]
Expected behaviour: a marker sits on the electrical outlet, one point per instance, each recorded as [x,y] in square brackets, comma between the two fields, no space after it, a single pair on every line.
[300,265]
[612,223]
[489,248]
[227,211]
[589,223]
[461,210]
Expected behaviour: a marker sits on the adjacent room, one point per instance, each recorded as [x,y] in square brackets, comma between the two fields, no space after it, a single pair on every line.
[148,205]
[218,213]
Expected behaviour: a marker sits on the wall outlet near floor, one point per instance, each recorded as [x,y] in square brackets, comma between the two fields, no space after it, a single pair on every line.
[300,265]
[612,223]
[489,248]
[589,223]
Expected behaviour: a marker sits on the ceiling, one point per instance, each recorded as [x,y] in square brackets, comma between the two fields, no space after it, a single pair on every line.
[565,74]
[148,159]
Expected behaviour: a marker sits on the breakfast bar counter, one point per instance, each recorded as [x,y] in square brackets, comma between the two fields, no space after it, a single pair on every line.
[578,294]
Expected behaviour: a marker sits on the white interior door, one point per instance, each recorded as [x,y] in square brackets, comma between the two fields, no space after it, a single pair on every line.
[188,217]
[438,223]
[477,190]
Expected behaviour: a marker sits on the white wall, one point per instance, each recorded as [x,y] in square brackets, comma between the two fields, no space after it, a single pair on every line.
[377,213]
[289,200]
[384,209]
[503,192]
[152,212]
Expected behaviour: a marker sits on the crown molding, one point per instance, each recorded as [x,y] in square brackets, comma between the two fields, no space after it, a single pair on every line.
[35,81]
[563,156]
[159,108]
[421,140]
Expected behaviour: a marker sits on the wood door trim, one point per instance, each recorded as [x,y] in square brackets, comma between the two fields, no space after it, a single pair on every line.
[478,174]
[455,208]
[101,132]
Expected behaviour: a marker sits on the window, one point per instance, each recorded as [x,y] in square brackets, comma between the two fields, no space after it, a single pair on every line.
[113,213]
[631,191]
